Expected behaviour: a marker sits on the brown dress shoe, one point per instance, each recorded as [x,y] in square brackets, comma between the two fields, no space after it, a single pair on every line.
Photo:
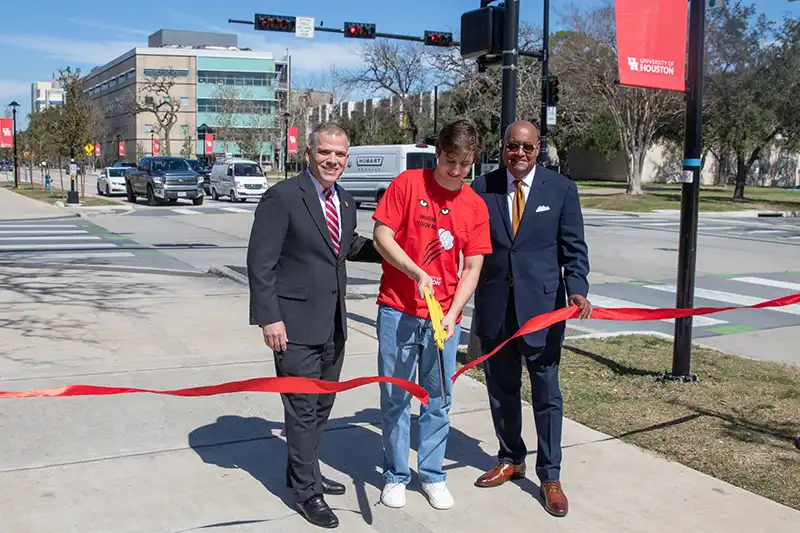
[500,474]
[555,501]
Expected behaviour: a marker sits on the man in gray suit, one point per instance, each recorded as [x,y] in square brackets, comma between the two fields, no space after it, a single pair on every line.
[304,231]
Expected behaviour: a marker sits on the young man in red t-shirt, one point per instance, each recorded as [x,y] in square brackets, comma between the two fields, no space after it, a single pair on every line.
[425,222]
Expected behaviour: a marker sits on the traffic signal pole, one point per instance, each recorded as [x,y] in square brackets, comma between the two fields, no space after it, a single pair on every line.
[508,103]
[690,196]
[545,86]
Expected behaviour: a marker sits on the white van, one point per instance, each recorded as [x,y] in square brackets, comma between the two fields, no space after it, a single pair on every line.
[370,169]
[238,179]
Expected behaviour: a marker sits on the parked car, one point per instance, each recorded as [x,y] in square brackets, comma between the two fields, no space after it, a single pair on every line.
[164,178]
[370,169]
[203,171]
[238,179]
[111,181]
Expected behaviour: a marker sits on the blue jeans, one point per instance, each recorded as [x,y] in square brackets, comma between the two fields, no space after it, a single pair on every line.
[403,342]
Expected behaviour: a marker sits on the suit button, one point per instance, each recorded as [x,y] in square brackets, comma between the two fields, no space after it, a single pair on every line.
[513,251]
[333,292]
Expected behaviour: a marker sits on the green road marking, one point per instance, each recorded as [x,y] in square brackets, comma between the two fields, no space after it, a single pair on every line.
[792,273]
[730,330]
[117,238]
[723,276]
[639,283]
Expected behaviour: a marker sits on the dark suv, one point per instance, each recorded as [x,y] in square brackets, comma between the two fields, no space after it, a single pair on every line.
[164,178]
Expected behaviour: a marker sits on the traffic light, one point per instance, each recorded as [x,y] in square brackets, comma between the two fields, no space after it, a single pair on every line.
[482,34]
[552,90]
[359,30]
[274,23]
[438,38]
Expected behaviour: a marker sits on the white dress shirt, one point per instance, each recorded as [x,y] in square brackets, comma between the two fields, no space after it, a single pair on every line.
[323,200]
[527,182]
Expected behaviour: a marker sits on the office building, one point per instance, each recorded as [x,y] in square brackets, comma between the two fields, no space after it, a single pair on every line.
[214,87]
[45,94]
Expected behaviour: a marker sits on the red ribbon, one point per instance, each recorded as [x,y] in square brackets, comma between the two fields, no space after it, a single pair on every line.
[298,385]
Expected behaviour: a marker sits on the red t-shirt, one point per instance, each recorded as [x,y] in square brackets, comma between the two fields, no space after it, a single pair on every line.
[432,225]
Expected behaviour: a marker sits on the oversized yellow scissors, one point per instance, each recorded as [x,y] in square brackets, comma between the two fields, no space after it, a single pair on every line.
[439,334]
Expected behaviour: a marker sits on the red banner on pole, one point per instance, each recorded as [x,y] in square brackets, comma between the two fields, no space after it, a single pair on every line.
[121,149]
[6,133]
[292,133]
[651,43]
[97,150]
[209,144]
[156,146]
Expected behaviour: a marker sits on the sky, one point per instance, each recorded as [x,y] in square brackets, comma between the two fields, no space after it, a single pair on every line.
[39,39]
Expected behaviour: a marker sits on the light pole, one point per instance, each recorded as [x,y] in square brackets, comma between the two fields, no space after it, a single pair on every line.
[286,115]
[14,105]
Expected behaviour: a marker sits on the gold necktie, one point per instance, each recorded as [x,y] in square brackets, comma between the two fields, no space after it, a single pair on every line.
[519,207]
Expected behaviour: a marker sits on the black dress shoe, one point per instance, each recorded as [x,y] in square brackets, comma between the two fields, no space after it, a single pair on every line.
[329,486]
[332,487]
[317,512]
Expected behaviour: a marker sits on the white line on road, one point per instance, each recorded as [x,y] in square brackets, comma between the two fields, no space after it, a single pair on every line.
[52,238]
[37,226]
[737,299]
[714,228]
[603,301]
[49,232]
[185,211]
[769,283]
[88,255]
[658,224]
[236,210]
[765,231]
[56,246]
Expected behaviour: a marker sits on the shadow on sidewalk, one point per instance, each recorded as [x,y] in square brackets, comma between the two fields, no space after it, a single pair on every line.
[252,445]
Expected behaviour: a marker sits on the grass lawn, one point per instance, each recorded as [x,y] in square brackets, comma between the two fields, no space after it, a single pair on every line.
[53,195]
[736,424]
[668,196]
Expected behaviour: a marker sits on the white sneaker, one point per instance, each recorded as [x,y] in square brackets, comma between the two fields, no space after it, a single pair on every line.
[438,495]
[394,495]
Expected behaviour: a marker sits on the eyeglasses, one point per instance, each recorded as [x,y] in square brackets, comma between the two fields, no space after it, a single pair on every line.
[513,146]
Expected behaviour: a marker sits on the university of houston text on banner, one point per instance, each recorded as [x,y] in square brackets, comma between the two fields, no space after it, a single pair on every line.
[651,43]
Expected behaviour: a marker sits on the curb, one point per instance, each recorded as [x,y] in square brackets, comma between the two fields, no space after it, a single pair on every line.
[94,210]
[354,292]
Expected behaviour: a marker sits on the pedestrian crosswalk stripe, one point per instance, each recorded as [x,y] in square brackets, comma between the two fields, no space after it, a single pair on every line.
[89,255]
[769,283]
[604,301]
[51,238]
[715,228]
[73,245]
[37,226]
[736,299]
[49,232]
[236,210]
[766,231]
[659,224]
[185,211]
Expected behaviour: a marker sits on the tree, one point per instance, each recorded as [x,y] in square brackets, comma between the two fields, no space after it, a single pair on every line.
[187,150]
[588,60]
[155,97]
[74,117]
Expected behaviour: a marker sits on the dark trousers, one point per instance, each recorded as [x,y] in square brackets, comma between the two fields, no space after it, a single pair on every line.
[305,415]
[504,380]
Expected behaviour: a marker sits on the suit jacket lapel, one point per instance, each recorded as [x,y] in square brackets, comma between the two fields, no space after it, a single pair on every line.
[497,184]
[311,200]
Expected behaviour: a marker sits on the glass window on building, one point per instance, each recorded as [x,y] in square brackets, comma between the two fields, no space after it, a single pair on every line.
[224,77]
[184,100]
[215,105]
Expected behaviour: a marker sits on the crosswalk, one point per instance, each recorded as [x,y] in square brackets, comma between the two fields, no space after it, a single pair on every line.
[781,230]
[73,242]
[193,211]
[710,291]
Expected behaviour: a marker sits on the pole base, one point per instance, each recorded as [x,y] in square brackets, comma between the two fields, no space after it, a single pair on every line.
[72,197]
[680,378]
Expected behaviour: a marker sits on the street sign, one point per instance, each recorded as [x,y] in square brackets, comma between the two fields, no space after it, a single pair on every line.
[304,27]
[88,148]
[711,4]
[551,115]
[73,170]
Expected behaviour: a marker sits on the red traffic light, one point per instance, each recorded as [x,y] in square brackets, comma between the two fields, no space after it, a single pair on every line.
[438,38]
[359,30]
[274,23]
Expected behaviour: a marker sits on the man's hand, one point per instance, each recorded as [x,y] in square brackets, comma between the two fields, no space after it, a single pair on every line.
[449,326]
[584,305]
[424,280]
[275,336]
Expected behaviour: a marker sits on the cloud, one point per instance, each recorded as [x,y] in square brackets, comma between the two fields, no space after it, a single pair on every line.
[11,90]
[74,51]
[307,56]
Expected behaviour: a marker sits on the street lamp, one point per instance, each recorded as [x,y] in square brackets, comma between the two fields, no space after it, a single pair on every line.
[286,115]
[14,105]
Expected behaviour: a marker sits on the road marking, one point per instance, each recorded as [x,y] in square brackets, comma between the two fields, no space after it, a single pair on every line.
[766,231]
[52,238]
[737,299]
[715,228]
[603,301]
[49,232]
[769,283]
[236,210]
[658,224]
[37,226]
[89,255]
[185,211]
[57,246]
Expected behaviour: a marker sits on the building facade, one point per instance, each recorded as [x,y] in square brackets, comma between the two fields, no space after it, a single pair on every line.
[210,86]
[45,94]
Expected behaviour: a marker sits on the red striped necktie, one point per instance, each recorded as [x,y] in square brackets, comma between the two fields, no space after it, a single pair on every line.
[332,219]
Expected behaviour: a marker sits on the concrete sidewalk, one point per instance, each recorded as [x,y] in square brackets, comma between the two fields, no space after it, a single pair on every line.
[148,463]
[15,206]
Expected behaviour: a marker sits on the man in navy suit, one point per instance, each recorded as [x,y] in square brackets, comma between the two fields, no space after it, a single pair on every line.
[539,263]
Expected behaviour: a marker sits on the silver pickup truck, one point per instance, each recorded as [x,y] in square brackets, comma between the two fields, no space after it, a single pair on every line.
[163,179]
